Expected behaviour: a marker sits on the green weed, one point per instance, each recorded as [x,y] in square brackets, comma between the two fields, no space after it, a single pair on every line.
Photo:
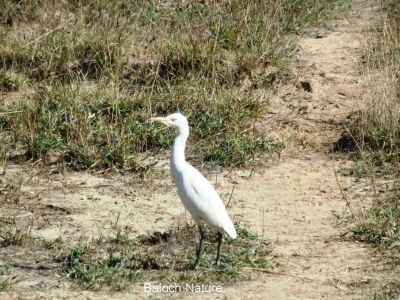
[381,224]
[4,279]
[10,236]
[389,292]
[10,82]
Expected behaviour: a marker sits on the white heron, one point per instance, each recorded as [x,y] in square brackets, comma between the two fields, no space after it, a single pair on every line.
[196,192]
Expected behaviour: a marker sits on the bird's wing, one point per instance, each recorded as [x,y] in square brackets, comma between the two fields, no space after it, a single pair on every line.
[208,203]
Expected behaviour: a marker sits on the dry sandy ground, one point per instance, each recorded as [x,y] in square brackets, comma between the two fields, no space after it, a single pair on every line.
[292,202]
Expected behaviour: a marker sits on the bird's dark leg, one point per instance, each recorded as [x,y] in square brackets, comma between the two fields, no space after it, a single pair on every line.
[200,249]
[217,261]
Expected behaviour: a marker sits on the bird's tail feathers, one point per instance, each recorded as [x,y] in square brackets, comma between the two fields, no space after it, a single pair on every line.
[230,230]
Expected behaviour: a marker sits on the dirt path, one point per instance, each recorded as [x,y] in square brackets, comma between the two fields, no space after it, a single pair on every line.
[301,194]
[291,203]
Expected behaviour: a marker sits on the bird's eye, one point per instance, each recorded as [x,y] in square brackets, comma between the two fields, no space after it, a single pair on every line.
[173,119]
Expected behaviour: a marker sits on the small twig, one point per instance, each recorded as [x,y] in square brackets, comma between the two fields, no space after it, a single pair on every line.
[263,226]
[92,166]
[343,195]
[58,280]
[116,170]
[378,184]
[47,33]
[398,214]
[230,196]
[262,270]
[252,170]
[35,267]
[296,263]
[115,226]
[10,112]
[96,186]
[24,215]
[276,273]
[364,189]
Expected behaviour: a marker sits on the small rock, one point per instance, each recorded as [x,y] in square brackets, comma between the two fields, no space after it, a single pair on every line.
[246,84]
[321,34]
[53,158]
[277,104]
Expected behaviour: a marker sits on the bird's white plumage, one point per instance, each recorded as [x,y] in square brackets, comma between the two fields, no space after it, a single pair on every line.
[197,194]
[202,201]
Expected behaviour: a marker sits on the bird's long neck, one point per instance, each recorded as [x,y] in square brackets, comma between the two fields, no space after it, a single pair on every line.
[178,150]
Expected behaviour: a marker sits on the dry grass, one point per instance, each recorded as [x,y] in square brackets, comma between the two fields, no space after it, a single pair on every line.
[88,75]
[117,261]
[376,130]
[376,133]
[79,81]
[163,257]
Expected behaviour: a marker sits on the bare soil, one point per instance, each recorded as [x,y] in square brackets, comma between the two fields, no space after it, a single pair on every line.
[295,204]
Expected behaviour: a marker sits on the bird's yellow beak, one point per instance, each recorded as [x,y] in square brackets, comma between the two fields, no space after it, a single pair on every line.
[158,119]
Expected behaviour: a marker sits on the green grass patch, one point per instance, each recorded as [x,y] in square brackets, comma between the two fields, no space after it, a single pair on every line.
[380,225]
[10,82]
[389,292]
[4,279]
[118,261]
[163,257]
[12,236]
[106,128]
[94,77]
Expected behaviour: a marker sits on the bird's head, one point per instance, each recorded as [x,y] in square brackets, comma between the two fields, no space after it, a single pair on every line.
[176,120]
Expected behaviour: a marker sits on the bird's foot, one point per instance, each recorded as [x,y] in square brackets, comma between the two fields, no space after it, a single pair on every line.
[217,263]
[196,264]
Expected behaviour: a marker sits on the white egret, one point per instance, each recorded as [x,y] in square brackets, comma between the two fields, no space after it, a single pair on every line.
[196,192]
